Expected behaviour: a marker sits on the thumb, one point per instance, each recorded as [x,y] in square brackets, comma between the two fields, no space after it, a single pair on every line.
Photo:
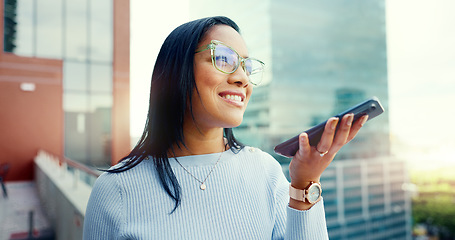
[304,144]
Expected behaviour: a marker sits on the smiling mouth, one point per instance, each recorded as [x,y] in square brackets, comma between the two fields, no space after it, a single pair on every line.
[236,98]
[233,98]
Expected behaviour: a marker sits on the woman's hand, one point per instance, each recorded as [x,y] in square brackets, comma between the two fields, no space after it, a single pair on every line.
[309,162]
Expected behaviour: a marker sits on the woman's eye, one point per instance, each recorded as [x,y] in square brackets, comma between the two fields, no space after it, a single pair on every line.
[222,60]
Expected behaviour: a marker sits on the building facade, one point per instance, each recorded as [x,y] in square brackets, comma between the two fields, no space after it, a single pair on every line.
[65,70]
[321,58]
[366,200]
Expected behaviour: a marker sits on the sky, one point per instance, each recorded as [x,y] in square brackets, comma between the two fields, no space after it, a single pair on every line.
[151,22]
[421,73]
[421,68]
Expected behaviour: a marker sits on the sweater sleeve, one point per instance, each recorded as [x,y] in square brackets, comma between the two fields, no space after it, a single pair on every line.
[308,224]
[103,217]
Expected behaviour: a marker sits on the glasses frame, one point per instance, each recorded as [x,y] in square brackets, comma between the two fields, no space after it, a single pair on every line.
[212,45]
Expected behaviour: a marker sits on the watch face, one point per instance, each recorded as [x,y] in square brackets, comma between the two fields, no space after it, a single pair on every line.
[314,192]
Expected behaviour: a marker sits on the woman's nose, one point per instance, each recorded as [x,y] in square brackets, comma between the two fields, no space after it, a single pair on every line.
[239,77]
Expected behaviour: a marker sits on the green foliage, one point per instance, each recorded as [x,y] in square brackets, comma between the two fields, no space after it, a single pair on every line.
[9,34]
[435,203]
[437,211]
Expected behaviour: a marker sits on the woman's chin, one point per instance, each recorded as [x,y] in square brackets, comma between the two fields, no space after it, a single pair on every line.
[233,123]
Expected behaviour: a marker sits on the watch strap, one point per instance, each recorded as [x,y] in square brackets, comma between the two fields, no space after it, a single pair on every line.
[297,194]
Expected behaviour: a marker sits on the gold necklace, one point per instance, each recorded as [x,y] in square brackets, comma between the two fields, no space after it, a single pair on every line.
[203,186]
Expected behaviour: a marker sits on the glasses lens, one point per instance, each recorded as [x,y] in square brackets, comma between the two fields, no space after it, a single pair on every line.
[226,60]
[254,69]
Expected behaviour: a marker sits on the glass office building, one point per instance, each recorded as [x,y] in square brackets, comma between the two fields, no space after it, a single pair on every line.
[81,34]
[365,199]
[321,58]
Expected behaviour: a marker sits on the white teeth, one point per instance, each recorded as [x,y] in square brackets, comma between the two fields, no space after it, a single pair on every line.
[233,97]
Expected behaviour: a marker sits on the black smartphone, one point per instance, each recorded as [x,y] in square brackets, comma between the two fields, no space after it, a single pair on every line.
[371,107]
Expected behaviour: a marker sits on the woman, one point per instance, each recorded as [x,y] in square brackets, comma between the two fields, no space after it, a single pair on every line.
[188,177]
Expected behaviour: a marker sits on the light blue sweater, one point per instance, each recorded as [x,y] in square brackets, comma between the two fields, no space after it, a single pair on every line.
[246,198]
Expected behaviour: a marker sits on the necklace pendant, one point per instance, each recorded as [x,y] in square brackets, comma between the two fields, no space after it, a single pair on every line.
[203,187]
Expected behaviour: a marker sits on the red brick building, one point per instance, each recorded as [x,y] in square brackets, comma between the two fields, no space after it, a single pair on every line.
[64,82]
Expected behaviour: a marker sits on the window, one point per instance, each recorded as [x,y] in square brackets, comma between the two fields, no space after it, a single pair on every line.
[76,46]
[49,28]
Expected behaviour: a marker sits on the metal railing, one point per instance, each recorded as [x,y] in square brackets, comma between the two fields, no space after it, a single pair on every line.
[80,171]
[64,187]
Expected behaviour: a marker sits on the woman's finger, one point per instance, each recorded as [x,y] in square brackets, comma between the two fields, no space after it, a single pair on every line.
[342,133]
[356,127]
[327,136]
[304,146]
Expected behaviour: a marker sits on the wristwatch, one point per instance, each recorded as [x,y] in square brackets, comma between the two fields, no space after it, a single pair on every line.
[311,194]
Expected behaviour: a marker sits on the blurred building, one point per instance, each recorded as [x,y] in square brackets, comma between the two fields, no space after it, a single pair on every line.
[366,200]
[321,58]
[64,82]
[64,96]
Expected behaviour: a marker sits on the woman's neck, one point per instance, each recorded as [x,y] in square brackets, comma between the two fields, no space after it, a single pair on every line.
[199,142]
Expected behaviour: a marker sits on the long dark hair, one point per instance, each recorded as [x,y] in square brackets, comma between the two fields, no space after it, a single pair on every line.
[171,92]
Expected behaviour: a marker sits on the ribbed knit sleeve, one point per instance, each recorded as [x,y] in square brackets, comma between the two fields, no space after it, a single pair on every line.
[103,218]
[290,223]
[309,224]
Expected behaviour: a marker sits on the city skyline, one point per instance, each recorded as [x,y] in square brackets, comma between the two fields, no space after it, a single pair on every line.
[416,47]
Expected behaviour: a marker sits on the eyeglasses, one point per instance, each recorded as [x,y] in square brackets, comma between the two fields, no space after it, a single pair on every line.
[227,60]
